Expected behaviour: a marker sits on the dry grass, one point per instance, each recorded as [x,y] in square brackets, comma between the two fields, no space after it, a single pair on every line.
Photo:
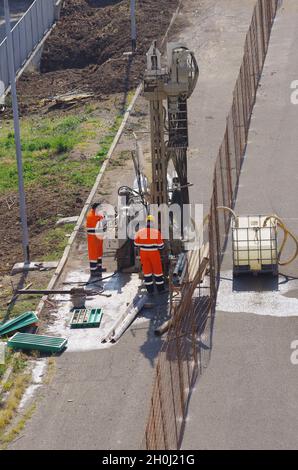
[10,406]
[51,369]
[8,413]
[5,439]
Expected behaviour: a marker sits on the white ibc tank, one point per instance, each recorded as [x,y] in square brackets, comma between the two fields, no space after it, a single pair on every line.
[254,245]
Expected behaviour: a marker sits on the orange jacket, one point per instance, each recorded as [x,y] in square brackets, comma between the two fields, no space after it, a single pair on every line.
[92,221]
[149,239]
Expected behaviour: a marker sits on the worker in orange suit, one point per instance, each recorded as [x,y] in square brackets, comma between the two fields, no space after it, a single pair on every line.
[149,241]
[95,242]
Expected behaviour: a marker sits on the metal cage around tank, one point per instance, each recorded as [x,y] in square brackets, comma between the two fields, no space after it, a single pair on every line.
[254,245]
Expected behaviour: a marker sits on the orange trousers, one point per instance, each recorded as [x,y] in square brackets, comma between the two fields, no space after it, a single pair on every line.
[95,251]
[152,268]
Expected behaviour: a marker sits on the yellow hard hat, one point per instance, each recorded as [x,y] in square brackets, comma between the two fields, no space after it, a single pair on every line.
[150,218]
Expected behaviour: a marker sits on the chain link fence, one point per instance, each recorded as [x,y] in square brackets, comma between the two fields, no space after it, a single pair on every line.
[187,348]
[26,35]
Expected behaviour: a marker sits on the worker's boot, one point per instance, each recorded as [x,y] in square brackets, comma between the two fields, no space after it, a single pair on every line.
[160,283]
[93,269]
[95,275]
[100,268]
[161,288]
[148,279]
[150,289]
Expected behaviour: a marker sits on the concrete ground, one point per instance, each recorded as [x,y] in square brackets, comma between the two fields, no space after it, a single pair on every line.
[99,398]
[216,31]
[248,397]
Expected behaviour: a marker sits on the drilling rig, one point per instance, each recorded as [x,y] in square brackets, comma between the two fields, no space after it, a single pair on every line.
[167,87]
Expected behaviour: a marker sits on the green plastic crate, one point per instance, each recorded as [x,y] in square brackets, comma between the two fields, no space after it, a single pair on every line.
[26,319]
[29,341]
[86,318]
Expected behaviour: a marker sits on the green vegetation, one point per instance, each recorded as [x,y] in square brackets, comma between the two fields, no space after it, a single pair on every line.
[49,146]
[45,144]
[15,360]
[107,141]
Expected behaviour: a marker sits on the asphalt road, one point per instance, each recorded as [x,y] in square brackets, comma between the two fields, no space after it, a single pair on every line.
[99,399]
[248,397]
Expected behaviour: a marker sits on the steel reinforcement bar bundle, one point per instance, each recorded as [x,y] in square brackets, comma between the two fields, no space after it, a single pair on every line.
[186,350]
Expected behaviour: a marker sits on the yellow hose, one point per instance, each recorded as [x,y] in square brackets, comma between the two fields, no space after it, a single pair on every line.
[228,209]
[287,232]
[224,208]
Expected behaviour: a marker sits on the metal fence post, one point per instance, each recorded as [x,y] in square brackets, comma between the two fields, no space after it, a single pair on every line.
[133,25]
[23,214]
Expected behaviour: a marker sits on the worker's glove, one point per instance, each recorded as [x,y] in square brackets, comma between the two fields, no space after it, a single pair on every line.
[101,227]
[104,225]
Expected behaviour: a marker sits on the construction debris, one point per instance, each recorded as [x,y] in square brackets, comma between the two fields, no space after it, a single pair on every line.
[126,319]
[163,328]
[42,266]
[31,342]
[66,100]
[67,220]
[26,319]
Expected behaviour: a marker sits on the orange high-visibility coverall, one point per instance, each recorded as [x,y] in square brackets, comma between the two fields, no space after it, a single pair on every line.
[150,241]
[95,244]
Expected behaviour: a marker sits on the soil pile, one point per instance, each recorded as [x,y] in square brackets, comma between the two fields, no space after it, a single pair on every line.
[85,51]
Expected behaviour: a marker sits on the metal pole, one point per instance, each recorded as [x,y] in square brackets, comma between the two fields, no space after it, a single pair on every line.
[25,238]
[133,25]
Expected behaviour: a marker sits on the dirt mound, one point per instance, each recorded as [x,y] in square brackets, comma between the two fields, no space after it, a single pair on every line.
[85,50]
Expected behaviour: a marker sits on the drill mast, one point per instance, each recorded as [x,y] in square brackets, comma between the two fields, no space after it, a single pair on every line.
[174,84]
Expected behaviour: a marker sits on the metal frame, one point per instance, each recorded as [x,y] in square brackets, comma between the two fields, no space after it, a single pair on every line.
[269,263]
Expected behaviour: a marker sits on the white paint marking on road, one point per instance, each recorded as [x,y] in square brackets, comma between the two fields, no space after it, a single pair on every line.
[277,303]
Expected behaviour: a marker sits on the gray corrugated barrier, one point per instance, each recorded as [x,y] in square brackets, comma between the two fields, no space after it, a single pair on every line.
[27,34]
